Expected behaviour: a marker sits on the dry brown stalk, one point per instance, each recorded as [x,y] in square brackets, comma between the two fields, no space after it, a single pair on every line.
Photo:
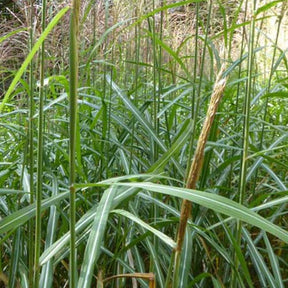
[196,165]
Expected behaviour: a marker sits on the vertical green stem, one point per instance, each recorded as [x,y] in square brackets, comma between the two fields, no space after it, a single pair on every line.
[31,150]
[73,59]
[155,83]
[137,60]
[195,63]
[40,157]
[154,212]
[246,113]
[106,116]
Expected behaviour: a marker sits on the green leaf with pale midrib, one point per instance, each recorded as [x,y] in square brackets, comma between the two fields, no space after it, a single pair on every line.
[93,247]
[217,203]
[137,220]
[21,216]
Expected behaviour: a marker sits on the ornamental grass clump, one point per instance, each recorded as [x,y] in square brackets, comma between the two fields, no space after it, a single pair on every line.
[119,164]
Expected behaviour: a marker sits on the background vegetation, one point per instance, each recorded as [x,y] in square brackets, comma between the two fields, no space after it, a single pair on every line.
[99,124]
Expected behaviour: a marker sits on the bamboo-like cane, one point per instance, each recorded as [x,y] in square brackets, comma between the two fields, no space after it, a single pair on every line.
[196,165]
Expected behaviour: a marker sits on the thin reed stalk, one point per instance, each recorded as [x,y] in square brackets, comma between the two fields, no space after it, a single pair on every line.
[40,142]
[73,61]
[195,64]
[195,168]
[154,208]
[31,149]
[246,125]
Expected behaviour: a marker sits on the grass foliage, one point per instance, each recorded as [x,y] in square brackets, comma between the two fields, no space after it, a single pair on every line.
[98,134]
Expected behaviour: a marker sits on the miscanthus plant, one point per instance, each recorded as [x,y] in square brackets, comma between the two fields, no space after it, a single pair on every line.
[145,146]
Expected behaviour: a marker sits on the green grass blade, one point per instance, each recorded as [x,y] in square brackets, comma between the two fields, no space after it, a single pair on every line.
[93,248]
[170,242]
[217,203]
[82,224]
[62,242]
[21,216]
[182,138]
[186,259]
[147,126]
[170,52]
[15,259]
[30,56]
[267,6]
[274,263]
[5,37]
[263,272]
[46,278]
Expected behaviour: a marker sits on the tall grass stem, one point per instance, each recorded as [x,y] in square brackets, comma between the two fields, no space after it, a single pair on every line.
[31,148]
[40,142]
[246,131]
[73,61]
